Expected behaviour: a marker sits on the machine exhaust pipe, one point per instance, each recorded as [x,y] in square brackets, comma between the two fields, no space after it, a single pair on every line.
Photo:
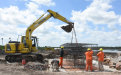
[68,28]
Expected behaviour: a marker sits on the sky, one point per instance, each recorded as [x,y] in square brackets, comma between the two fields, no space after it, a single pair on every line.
[95,21]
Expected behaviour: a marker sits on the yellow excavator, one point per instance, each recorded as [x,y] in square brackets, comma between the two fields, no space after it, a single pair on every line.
[49,48]
[28,47]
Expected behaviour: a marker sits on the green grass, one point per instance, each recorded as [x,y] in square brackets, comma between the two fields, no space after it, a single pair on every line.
[42,48]
[2,47]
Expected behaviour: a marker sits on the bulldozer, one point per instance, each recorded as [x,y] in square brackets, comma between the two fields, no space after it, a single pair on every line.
[49,48]
[28,47]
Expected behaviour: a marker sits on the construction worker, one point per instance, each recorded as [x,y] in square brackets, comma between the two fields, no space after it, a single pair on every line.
[100,59]
[89,59]
[61,56]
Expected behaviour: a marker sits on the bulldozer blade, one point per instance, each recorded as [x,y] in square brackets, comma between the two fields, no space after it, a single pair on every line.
[68,28]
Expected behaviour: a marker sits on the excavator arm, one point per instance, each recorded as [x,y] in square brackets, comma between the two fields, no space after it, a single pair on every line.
[41,20]
[29,44]
[67,28]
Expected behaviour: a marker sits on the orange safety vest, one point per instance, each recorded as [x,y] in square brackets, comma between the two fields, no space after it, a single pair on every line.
[89,55]
[100,56]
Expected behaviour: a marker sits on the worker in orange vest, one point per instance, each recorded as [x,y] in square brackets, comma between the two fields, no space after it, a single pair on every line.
[89,59]
[100,59]
[62,52]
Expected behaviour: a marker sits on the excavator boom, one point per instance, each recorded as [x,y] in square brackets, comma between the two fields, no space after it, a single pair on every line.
[41,20]
[29,43]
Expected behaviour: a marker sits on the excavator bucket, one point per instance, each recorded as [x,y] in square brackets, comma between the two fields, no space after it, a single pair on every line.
[68,28]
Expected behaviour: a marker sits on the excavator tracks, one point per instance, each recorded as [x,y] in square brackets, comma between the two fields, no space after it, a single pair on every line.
[27,57]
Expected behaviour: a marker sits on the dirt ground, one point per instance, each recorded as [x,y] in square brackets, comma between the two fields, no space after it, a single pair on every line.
[18,69]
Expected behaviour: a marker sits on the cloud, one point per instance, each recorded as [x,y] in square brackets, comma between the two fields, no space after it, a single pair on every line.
[53,38]
[98,14]
[58,27]
[14,22]
[11,29]
[45,28]
[119,20]
[103,38]
[32,6]
[112,26]
[25,0]
[44,2]
[13,15]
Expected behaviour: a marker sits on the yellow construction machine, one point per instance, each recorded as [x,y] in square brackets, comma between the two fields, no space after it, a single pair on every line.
[28,47]
[49,48]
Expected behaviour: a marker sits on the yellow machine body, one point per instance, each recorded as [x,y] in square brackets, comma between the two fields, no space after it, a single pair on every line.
[29,43]
[49,48]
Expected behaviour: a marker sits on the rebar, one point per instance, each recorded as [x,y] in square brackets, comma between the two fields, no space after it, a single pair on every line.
[77,51]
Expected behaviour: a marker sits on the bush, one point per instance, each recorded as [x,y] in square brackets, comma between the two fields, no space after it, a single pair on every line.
[2,47]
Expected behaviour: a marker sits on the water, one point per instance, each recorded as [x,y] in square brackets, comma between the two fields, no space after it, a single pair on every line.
[111,51]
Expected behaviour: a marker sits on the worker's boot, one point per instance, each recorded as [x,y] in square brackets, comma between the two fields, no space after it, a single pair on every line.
[62,67]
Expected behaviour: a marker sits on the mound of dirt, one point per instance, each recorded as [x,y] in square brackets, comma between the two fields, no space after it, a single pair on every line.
[2,52]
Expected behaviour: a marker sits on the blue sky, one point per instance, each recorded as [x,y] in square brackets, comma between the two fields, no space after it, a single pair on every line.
[96,21]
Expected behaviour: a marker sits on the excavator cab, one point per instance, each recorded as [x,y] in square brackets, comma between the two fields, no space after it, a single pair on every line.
[34,42]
